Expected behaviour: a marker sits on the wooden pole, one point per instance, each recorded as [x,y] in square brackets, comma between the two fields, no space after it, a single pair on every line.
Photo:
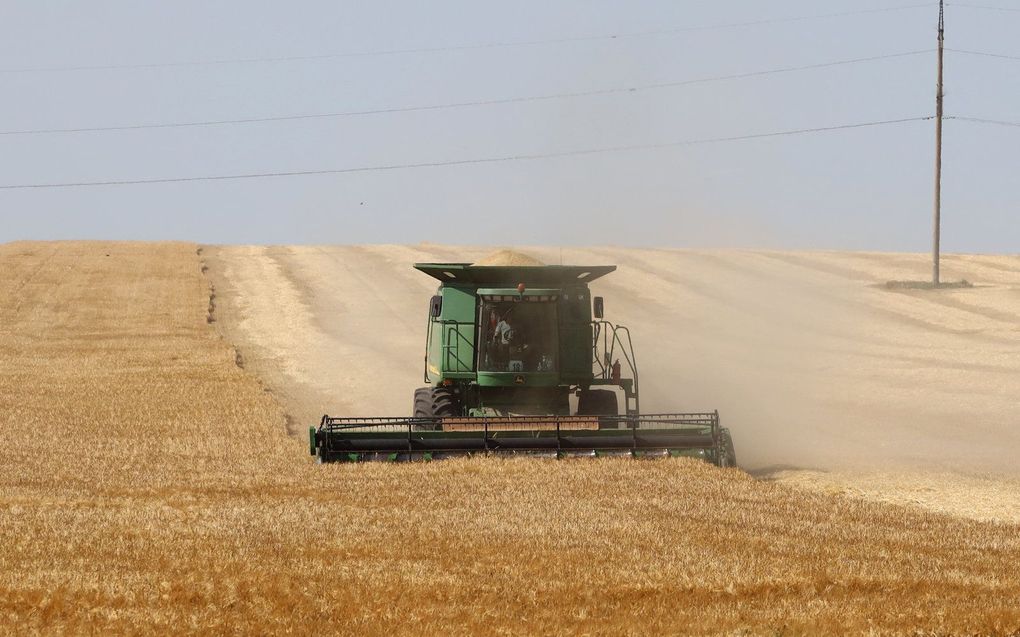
[937,221]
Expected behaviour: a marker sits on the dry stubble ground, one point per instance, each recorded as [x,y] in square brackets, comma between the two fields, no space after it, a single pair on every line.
[147,484]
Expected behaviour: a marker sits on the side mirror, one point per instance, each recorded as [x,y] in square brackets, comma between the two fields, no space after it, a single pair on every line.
[436,306]
[600,308]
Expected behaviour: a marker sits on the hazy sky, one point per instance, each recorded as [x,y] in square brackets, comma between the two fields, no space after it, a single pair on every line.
[868,188]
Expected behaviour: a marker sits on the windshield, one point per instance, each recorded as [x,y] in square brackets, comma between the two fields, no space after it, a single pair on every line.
[518,336]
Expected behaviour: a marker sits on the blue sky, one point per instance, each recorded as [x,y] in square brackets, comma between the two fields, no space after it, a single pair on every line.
[867,188]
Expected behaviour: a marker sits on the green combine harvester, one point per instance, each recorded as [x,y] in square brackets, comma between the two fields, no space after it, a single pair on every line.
[519,360]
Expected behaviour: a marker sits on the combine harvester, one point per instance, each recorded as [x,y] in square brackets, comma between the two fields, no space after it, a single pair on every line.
[519,360]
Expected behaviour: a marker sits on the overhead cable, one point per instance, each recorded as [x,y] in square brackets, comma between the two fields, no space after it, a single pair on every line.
[467,47]
[985,54]
[462,162]
[987,7]
[981,120]
[450,105]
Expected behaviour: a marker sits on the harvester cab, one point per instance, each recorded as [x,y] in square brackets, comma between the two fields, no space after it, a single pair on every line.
[518,340]
[519,359]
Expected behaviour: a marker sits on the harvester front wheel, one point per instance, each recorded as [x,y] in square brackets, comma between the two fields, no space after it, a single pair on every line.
[435,402]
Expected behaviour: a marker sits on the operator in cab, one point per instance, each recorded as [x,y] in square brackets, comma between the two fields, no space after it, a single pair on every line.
[502,337]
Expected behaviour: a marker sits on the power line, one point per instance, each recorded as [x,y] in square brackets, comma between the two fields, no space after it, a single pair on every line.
[466,47]
[462,162]
[435,107]
[985,54]
[981,120]
[981,6]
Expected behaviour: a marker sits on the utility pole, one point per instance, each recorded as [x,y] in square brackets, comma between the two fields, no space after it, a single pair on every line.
[937,222]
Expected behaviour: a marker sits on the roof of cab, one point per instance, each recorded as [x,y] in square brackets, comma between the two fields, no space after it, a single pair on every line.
[532,275]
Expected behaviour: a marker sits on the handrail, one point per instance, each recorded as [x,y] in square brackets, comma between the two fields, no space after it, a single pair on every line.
[452,345]
[428,344]
[602,330]
[449,347]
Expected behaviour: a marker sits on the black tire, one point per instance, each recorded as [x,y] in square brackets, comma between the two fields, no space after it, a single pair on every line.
[598,402]
[445,403]
[422,402]
[435,402]
[727,454]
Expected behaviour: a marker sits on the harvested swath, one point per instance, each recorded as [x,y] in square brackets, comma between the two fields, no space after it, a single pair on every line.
[989,497]
[147,486]
[509,257]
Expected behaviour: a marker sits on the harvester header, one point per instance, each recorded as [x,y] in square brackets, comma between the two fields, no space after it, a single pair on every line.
[520,359]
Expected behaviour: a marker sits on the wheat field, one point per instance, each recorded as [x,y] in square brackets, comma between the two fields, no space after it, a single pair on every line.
[149,485]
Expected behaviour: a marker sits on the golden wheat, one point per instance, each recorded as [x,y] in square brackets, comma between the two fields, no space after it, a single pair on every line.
[147,485]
